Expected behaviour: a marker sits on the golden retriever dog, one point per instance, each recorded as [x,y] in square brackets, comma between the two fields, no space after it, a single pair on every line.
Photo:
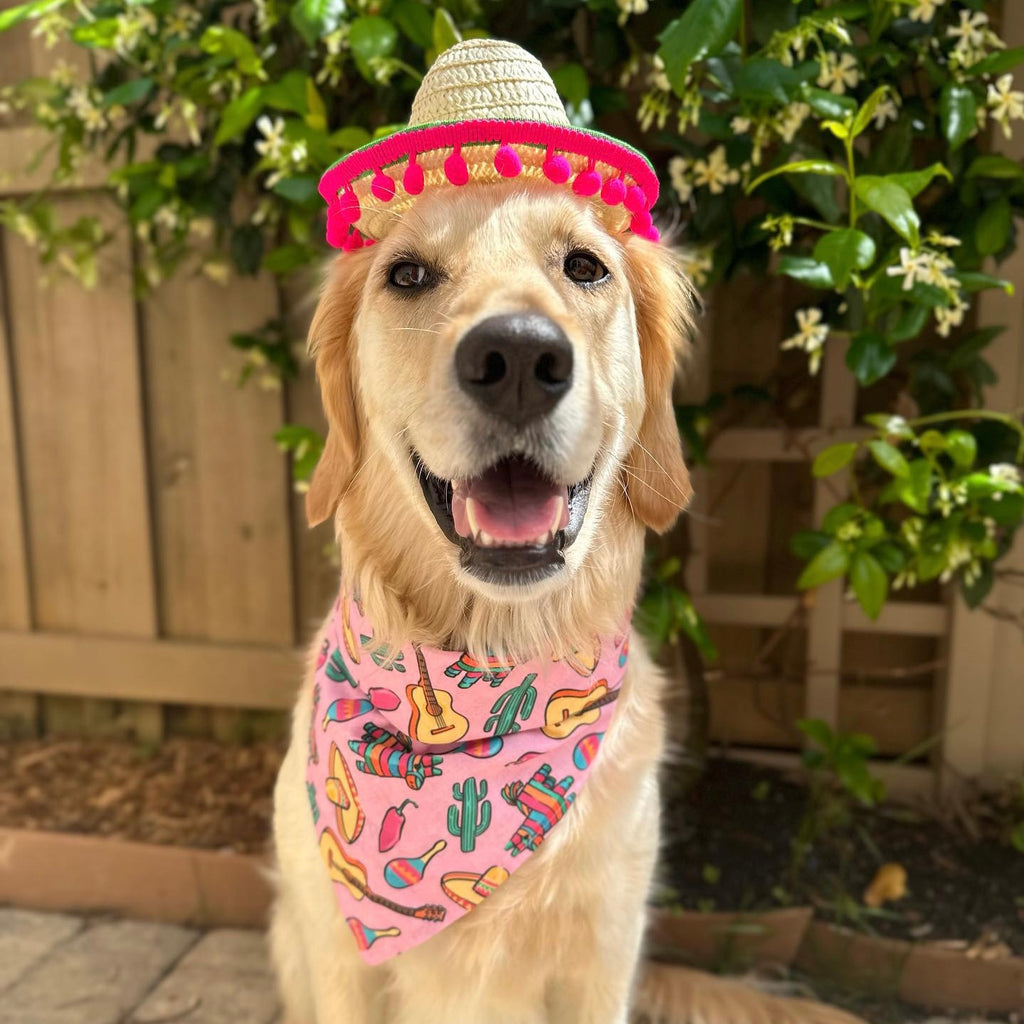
[415,406]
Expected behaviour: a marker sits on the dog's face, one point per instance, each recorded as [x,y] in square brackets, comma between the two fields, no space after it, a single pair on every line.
[505,365]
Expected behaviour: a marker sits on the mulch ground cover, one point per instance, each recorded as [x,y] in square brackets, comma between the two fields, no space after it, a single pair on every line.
[730,847]
[187,792]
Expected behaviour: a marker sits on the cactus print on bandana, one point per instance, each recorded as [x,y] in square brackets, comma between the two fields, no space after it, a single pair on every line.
[428,791]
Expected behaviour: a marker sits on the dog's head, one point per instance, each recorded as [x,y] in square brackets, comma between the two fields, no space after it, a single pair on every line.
[497,377]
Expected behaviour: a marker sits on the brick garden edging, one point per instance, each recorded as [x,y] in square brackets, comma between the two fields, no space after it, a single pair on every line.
[179,885]
[925,974]
[182,885]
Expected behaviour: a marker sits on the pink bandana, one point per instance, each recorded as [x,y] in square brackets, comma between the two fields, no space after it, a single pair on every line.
[432,776]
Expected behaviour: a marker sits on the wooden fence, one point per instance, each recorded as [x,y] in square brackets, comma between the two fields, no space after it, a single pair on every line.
[155,566]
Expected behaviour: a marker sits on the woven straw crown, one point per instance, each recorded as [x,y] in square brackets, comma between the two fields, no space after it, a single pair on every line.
[486,111]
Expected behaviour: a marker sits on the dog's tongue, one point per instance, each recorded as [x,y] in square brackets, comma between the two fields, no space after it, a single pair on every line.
[511,503]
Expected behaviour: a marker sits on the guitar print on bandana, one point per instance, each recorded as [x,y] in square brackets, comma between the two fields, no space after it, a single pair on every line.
[418,818]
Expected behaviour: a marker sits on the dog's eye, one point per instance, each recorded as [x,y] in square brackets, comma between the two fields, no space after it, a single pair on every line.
[584,268]
[407,274]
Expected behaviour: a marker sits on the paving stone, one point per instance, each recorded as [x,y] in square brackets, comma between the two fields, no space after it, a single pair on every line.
[96,977]
[224,979]
[26,936]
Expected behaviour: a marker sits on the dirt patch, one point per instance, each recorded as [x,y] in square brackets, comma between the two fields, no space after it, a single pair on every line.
[730,842]
[187,793]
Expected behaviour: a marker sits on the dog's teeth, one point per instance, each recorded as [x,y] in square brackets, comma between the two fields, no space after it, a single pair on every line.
[557,520]
[484,539]
[474,524]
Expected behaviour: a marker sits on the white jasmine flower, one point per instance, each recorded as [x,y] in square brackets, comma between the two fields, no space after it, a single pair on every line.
[1004,472]
[697,264]
[887,110]
[1006,103]
[715,172]
[790,120]
[948,317]
[677,173]
[653,109]
[810,336]
[740,125]
[937,238]
[272,143]
[924,10]
[839,72]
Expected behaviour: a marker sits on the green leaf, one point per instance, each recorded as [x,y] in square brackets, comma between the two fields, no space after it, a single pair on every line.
[994,165]
[702,31]
[870,357]
[238,115]
[571,82]
[221,41]
[693,625]
[997,63]
[911,323]
[976,281]
[286,258]
[288,93]
[825,167]
[763,80]
[957,114]
[314,19]
[869,582]
[828,104]
[247,248]
[962,448]
[817,731]
[889,458]
[22,12]
[913,491]
[98,34]
[805,544]
[371,37]
[349,138]
[803,268]
[892,202]
[129,92]
[867,110]
[317,116]
[299,189]
[915,182]
[890,556]
[844,251]
[446,34]
[838,516]
[993,227]
[834,458]
[828,564]
[974,594]
[414,21]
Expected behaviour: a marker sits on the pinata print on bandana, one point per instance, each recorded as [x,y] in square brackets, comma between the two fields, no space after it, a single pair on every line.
[433,776]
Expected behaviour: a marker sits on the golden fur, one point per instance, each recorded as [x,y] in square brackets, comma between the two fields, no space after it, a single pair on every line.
[559,942]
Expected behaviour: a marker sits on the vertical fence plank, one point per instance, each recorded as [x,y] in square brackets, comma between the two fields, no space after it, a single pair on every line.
[982,703]
[824,622]
[81,429]
[19,712]
[220,488]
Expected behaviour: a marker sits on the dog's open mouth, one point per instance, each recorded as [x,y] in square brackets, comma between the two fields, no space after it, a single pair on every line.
[511,523]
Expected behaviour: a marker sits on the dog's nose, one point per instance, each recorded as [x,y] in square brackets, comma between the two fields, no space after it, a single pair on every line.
[517,366]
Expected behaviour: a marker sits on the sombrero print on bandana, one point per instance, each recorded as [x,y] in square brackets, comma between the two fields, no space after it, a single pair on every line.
[432,776]
[486,112]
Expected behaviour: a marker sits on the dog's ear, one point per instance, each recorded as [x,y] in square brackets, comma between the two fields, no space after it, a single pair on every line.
[657,482]
[332,344]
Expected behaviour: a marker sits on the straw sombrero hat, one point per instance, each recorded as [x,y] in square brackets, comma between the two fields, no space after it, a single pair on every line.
[487,111]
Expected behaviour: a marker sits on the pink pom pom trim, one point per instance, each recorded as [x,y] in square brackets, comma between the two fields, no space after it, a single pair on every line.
[507,162]
[632,184]
[353,241]
[641,223]
[587,182]
[455,169]
[652,234]
[556,168]
[336,227]
[614,191]
[634,199]
[383,187]
[412,180]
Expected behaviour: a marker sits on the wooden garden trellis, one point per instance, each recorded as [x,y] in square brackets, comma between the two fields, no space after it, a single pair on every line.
[154,557]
